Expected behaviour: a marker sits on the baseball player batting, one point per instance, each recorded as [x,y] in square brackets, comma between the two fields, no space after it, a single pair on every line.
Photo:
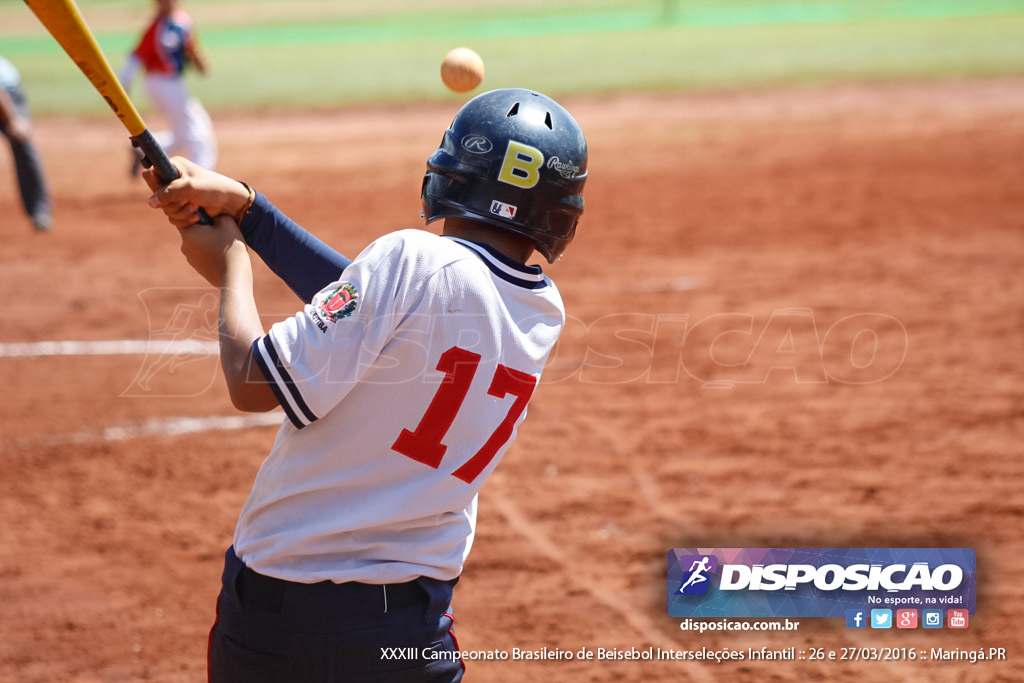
[404,379]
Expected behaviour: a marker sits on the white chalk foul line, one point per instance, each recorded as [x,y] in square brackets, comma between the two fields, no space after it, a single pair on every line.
[157,426]
[176,426]
[152,427]
[116,347]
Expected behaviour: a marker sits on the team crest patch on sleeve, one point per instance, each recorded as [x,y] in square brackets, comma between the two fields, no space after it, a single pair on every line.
[340,304]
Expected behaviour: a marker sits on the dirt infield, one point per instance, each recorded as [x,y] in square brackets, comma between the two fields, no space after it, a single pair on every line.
[795,321]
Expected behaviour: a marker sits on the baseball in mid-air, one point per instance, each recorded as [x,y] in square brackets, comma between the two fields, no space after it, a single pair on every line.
[462,69]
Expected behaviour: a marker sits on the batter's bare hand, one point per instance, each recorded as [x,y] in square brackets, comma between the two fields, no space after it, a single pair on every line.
[197,187]
[209,249]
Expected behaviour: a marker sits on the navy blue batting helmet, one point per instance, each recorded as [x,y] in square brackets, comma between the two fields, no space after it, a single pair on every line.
[514,159]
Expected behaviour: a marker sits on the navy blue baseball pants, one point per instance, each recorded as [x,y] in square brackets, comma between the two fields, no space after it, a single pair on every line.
[269,630]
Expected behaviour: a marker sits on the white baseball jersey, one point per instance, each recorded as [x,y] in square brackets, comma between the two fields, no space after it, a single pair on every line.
[404,383]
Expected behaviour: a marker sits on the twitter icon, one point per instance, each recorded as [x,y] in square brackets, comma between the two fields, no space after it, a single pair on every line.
[881,618]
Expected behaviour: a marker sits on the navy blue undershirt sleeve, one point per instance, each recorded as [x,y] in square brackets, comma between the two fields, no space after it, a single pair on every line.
[302,261]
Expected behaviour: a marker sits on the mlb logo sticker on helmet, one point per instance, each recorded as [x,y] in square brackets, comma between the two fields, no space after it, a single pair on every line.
[502,209]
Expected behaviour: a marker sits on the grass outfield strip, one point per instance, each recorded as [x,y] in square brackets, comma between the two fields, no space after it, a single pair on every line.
[492,23]
[604,47]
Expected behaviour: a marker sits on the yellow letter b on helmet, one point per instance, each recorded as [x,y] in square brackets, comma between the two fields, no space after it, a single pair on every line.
[521,165]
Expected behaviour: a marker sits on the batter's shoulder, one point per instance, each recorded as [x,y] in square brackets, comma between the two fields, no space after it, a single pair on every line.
[425,247]
[417,238]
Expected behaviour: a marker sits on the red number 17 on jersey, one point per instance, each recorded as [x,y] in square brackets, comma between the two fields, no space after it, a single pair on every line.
[459,367]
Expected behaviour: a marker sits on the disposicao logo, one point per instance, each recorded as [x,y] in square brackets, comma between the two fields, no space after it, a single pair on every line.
[696,580]
[818,582]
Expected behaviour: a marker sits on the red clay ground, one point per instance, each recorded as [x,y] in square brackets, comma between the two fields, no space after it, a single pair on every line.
[896,211]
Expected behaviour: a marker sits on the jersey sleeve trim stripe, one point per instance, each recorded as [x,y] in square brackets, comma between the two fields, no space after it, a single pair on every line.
[281,383]
[529,277]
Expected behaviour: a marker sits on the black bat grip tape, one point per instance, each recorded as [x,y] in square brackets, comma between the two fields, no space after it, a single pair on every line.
[154,156]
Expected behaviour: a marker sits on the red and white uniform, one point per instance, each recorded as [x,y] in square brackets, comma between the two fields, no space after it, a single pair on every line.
[163,54]
[404,383]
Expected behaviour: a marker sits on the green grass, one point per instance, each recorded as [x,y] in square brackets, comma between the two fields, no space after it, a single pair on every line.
[273,53]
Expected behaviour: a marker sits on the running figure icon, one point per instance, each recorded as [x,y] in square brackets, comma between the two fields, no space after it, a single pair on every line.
[697,573]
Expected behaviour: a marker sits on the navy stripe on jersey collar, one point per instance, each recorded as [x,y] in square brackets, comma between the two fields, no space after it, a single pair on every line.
[530,277]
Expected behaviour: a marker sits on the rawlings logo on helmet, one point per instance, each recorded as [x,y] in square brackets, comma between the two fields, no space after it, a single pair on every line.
[477,144]
[564,168]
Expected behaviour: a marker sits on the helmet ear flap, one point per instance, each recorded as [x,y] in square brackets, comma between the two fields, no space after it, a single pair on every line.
[437,196]
[514,159]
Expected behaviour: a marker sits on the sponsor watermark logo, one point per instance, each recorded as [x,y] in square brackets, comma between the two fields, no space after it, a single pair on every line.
[695,580]
[876,586]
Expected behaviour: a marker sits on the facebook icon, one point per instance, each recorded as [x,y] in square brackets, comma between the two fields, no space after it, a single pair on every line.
[856,618]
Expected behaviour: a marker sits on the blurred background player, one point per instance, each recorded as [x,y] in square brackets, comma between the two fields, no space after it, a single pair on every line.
[167,48]
[16,125]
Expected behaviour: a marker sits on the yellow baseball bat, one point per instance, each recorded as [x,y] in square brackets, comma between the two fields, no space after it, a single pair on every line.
[65,23]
